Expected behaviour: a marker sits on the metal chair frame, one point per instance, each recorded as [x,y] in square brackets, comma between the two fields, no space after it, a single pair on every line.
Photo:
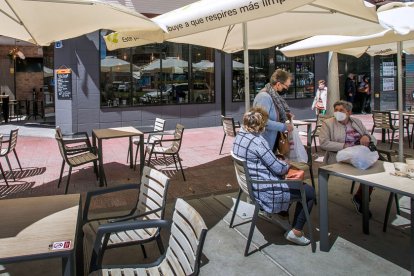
[183,255]
[245,183]
[229,128]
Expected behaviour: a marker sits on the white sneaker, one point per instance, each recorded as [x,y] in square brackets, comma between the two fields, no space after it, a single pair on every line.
[290,236]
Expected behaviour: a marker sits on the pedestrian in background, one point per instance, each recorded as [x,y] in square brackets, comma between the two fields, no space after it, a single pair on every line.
[5,107]
[350,89]
[320,101]
[365,89]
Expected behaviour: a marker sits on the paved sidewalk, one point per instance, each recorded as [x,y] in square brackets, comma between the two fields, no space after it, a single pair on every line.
[210,187]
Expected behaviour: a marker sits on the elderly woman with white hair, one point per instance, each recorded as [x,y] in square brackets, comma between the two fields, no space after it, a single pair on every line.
[344,131]
[263,165]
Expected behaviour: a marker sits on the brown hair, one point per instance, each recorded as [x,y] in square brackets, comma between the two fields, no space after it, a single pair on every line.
[255,120]
[280,76]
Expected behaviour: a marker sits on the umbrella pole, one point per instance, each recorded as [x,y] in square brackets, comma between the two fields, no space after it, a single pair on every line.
[246,68]
[400,102]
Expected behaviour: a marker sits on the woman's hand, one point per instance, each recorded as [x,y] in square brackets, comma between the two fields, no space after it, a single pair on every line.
[289,127]
[365,140]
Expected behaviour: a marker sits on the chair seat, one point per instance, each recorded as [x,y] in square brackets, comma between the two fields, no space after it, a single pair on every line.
[162,150]
[81,159]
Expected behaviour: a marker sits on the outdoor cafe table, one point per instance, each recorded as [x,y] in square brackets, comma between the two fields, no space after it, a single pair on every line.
[375,177]
[117,132]
[308,125]
[31,225]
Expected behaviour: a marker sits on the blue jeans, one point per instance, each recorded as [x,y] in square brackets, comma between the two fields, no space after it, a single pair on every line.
[299,218]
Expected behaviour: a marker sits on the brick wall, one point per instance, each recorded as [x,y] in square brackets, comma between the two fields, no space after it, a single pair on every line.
[24,81]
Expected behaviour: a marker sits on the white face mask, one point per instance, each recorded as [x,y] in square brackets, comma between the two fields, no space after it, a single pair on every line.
[340,116]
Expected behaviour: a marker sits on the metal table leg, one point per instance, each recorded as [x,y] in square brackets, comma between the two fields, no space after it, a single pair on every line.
[365,208]
[323,211]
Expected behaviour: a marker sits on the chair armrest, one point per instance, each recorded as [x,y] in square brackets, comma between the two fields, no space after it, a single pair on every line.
[293,183]
[91,194]
[129,217]
[166,140]
[237,124]
[160,133]
[102,237]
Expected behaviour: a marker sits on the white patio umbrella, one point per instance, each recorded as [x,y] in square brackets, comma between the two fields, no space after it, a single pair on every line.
[208,66]
[397,17]
[114,64]
[44,21]
[168,65]
[223,24]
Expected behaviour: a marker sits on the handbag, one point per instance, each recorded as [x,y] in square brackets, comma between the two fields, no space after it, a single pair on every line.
[283,146]
[296,174]
[319,105]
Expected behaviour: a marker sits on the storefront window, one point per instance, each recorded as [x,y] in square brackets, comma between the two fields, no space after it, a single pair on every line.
[48,77]
[259,72]
[303,74]
[157,74]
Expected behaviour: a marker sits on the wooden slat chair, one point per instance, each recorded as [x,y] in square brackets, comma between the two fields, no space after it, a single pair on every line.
[75,160]
[167,147]
[75,142]
[1,167]
[150,205]
[11,147]
[383,120]
[159,125]
[229,128]
[245,185]
[188,233]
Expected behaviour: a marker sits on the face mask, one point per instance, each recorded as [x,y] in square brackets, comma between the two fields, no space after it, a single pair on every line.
[282,92]
[340,116]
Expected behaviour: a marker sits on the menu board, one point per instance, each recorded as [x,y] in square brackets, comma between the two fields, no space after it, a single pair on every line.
[64,84]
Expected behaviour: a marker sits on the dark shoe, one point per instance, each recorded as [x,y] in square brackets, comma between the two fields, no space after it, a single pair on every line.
[358,206]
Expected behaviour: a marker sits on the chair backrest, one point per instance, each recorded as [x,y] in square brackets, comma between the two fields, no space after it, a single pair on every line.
[243,176]
[62,148]
[59,132]
[319,121]
[228,126]
[158,127]
[178,134]
[159,124]
[13,139]
[382,119]
[188,233]
[153,193]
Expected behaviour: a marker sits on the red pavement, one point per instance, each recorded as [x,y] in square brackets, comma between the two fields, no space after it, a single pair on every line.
[207,172]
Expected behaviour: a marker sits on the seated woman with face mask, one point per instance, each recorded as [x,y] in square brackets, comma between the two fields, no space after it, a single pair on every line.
[262,164]
[341,132]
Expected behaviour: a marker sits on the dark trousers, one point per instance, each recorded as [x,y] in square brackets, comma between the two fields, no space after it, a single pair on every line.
[299,218]
[6,114]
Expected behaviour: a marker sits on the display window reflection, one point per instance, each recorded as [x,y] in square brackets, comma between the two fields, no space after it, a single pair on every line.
[157,74]
[259,72]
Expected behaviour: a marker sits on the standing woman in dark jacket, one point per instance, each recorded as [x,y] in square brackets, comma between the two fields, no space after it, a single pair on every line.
[350,89]
[262,164]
